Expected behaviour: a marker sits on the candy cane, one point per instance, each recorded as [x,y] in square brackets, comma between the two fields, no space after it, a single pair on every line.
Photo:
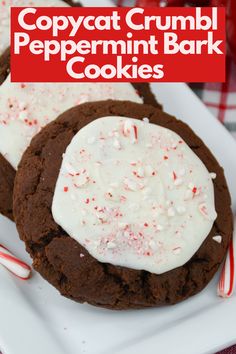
[226,283]
[13,264]
[131,130]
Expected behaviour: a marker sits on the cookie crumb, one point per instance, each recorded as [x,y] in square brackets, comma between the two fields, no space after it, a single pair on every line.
[213,175]
[217,238]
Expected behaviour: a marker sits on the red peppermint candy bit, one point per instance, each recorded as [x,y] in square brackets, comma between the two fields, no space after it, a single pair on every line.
[22,85]
[123,199]
[66,189]
[102,221]
[147,253]
[135,132]
[203,209]
[135,173]
[194,190]
[165,157]
[174,175]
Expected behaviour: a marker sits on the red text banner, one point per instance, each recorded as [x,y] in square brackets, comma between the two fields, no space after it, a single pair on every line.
[118,44]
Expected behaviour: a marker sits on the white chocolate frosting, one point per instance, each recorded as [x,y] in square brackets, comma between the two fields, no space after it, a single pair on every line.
[134,195]
[5,6]
[26,108]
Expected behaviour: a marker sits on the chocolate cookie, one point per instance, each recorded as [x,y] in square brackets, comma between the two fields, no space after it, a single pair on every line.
[7,176]
[73,3]
[144,92]
[4,65]
[57,257]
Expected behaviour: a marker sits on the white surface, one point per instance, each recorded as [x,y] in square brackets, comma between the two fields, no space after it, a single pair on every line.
[203,324]
[122,187]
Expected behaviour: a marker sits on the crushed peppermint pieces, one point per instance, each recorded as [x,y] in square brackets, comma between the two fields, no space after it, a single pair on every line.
[178,181]
[181,210]
[111,245]
[213,175]
[135,132]
[130,130]
[203,210]
[217,238]
[128,195]
[176,250]
[174,176]
[188,194]
[207,214]
[171,212]
[117,144]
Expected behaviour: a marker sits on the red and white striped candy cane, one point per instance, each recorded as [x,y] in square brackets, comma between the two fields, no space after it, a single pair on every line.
[13,264]
[226,283]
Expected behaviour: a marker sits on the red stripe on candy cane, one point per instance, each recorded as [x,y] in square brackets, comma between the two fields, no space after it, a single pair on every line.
[226,283]
[231,258]
[13,264]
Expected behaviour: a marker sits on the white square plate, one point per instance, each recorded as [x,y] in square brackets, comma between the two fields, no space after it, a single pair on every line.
[35,319]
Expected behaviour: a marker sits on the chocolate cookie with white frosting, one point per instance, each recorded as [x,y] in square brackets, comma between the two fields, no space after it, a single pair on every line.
[26,108]
[4,65]
[119,205]
[28,117]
